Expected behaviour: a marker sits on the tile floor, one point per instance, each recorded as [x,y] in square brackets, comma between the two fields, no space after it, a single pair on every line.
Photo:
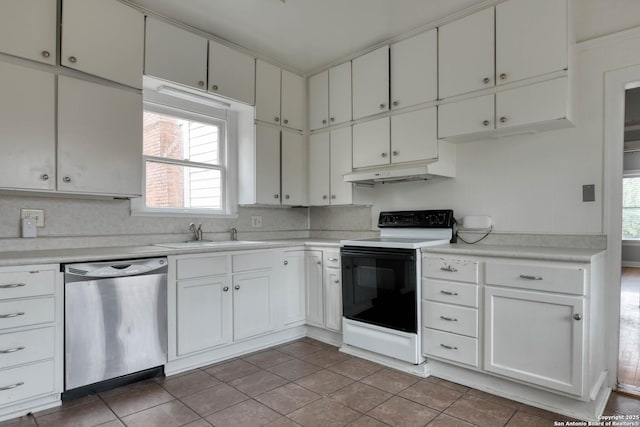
[629,355]
[304,383]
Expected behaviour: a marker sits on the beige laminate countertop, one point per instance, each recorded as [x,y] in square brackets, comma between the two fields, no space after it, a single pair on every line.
[59,256]
[520,252]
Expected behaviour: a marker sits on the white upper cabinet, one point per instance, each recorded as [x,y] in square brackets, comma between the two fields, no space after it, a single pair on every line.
[104,38]
[231,73]
[330,97]
[414,70]
[414,136]
[27,128]
[371,143]
[329,159]
[267,92]
[524,47]
[292,98]
[35,40]
[468,116]
[267,166]
[466,54]
[99,139]
[319,169]
[175,54]
[371,83]
[294,169]
[340,159]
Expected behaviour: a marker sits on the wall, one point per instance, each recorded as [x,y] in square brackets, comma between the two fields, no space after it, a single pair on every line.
[94,223]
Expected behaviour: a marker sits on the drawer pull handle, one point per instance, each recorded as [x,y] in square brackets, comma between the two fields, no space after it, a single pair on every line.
[9,387]
[449,268]
[11,350]
[6,316]
[530,277]
[13,285]
[448,347]
[449,293]
[449,319]
[332,259]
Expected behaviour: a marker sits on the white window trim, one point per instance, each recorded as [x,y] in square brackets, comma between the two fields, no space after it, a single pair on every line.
[228,149]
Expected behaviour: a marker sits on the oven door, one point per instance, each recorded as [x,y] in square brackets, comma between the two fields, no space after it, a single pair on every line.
[379,287]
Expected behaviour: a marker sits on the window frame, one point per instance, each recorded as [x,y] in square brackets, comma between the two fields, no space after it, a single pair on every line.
[226,121]
[633,173]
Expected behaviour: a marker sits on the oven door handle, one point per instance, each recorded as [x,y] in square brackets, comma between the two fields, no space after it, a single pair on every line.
[409,255]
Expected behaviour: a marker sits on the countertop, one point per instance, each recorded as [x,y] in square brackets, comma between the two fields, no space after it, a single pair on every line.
[526,252]
[59,256]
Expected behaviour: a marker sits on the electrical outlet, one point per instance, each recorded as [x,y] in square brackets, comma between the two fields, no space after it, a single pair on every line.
[37,214]
[256,221]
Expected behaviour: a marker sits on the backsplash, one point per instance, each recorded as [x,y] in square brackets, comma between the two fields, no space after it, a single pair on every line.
[73,223]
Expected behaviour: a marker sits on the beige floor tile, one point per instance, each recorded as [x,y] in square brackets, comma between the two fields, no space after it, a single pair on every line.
[367,421]
[431,394]
[294,369]
[246,414]
[299,348]
[522,419]
[495,399]
[214,399]
[361,397]
[287,398]
[444,420]
[324,412]
[90,414]
[135,398]
[232,370]
[390,380]
[325,358]
[171,414]
[268,358]
[480,411]
[324,382]
[193,382]
[402,412]
[355,368]
[258,383]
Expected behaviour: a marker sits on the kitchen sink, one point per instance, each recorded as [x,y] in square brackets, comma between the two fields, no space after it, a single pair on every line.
[207,244]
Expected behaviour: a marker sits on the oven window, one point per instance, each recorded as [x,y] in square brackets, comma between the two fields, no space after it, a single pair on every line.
[379,287]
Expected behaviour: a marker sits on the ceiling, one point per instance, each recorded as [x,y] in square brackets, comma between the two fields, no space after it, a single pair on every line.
[306,34]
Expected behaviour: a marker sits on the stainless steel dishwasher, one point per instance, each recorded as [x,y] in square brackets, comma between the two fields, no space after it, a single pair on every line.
[115,320]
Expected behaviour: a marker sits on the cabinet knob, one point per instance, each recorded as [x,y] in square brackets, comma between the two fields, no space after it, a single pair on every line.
[73,59]
[225,289]
[319,262]
[46,54]
[333,119]
[382,106]
[577,316]
[333,196]
[214,87]
[383,154]
[276,119]
[276,196]
[286,121]
[286,262]
[286,196]
[44,177]
[395,103]
[200,83]
[324,197]
[486,80]
[395,153]
[503,119]
[503,76]
[486,123]
[324,122]
[236,287]
[66,179]
[337,282]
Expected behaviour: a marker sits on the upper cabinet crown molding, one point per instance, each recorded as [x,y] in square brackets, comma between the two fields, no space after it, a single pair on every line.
[28,29]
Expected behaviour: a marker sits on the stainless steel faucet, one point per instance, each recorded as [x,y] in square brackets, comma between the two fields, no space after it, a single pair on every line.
[234,233]
[197,231]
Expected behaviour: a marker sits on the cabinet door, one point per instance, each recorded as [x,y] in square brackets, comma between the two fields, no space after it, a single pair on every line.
[104,38]
[203,314]
[319,170]
[294,169]
[371,143]
[465,117]
[99,139]
[267,165]
[294,286]
[292,100]
[524,48]
[540,102]
[251,304]
[414,136]
[267,92]
[340,93]
[175,54]
[314,291]
[231,73]
[333,299]
[466,54]
[319,100]
[27,128]
[28,29]
[414,70]
[536,337]
[340,160]
[371,83]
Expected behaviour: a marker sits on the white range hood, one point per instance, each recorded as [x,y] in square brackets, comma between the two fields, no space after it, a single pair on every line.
[422,172]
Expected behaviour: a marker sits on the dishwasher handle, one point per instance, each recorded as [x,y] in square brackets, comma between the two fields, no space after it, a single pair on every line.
[105,270]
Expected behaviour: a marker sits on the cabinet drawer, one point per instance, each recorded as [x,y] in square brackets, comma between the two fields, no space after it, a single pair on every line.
[24,312]
[450,318]
[450,292]
[253,261]
[450,346]
[188,268]
[331,258]
[21,284]
[18,348]
[552,278]
[450,269]
[26,381]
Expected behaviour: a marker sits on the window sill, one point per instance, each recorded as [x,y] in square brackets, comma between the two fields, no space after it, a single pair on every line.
[631,242]
[178,213]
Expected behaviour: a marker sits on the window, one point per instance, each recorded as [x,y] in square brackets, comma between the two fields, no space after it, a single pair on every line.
[631,208]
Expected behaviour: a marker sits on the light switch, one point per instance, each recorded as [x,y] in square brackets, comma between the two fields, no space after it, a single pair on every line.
[589,193]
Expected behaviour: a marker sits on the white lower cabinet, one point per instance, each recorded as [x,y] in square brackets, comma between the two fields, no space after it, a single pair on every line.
[333,299]
[314,289]
[324,289]
[251,304]
[294,267]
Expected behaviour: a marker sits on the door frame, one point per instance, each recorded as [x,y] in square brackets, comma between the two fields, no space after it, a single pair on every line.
[616,83]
